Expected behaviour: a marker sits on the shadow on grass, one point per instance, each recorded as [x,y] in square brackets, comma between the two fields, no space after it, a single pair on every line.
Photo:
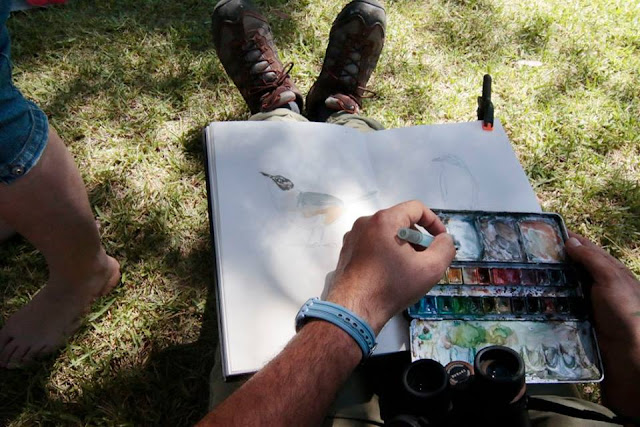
[619,212]
[18,387]
[103,43]
[169,388]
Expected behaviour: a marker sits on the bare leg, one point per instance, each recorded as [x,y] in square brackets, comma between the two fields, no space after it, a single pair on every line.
[50,208]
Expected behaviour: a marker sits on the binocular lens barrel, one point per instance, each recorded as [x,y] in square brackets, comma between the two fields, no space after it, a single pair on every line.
[425,378]
[492,392]
[426,385]
[499,372]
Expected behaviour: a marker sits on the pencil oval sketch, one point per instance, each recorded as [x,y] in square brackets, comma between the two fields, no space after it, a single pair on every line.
[454,171]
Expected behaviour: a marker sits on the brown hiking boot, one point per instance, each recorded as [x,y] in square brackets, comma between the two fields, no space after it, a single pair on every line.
[355,43]
[244,44]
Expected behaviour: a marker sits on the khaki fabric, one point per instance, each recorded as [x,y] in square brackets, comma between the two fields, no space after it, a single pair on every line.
[363,124]
[278,115]
[550,419]
[354,121]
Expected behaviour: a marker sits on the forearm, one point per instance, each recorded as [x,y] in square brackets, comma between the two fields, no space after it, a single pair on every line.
[298,386]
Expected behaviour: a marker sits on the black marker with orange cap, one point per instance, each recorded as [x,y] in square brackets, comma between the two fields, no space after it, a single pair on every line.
[485,106]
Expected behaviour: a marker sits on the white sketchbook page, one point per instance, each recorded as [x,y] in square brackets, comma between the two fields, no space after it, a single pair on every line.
[448,166]
[275,247]
[451,166]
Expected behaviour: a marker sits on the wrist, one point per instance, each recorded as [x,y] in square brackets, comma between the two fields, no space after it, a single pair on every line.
[327,335]
[343,318]
[364,308]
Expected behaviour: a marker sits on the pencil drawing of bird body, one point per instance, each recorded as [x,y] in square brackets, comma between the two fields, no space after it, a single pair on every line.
[309,210]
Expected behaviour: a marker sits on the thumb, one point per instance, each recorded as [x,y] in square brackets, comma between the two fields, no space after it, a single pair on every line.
[592,258]
[439,254]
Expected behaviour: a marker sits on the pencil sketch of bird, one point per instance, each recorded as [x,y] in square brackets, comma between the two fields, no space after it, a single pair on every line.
[457,181]
[305,209]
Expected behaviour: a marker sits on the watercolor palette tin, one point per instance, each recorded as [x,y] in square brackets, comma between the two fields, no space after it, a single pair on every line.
[509,284]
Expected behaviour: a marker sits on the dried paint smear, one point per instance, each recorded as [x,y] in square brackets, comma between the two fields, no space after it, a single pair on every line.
[465,237]
[542,241]
[500,239]
[552,351]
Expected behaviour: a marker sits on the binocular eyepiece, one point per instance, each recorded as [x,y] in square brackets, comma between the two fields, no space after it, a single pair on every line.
[491,392]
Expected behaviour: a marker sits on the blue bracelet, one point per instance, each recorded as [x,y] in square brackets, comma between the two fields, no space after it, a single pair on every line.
[357,328]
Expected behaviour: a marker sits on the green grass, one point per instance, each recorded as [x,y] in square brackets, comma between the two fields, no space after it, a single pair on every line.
[130,84]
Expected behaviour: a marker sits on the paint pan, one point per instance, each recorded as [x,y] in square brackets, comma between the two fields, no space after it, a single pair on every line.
[489,305]
[470,275]
[556,277]
[425,307]
[465,237]
[542,241]
[505,276]
[562,305]
[500,239]
[475,306]
[544,278]
[533,305]
[548,306]
[503,305]
[454,275]
[518,305]
[484,276]
[445,305]
[528,277]
[460,305]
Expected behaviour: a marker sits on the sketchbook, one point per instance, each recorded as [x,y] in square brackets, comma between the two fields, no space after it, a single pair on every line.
[282,195]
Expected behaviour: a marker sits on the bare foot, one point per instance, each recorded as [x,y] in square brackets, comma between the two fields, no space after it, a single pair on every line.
[5,231]
[53,315]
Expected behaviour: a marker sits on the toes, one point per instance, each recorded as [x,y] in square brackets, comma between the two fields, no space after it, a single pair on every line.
[32,354]
[5,337]
[16,359]
[7,353]
[5,231]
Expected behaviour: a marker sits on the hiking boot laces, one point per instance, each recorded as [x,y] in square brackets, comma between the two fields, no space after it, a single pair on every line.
[267,79]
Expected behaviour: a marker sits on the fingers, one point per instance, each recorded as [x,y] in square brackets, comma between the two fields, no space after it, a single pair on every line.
[439,254]
[581,239]
[593,258]
[418,213]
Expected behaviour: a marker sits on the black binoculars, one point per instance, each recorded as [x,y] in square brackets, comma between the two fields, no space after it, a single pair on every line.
[491,392]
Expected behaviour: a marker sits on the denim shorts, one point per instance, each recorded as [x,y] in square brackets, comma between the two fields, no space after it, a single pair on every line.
[24,129]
